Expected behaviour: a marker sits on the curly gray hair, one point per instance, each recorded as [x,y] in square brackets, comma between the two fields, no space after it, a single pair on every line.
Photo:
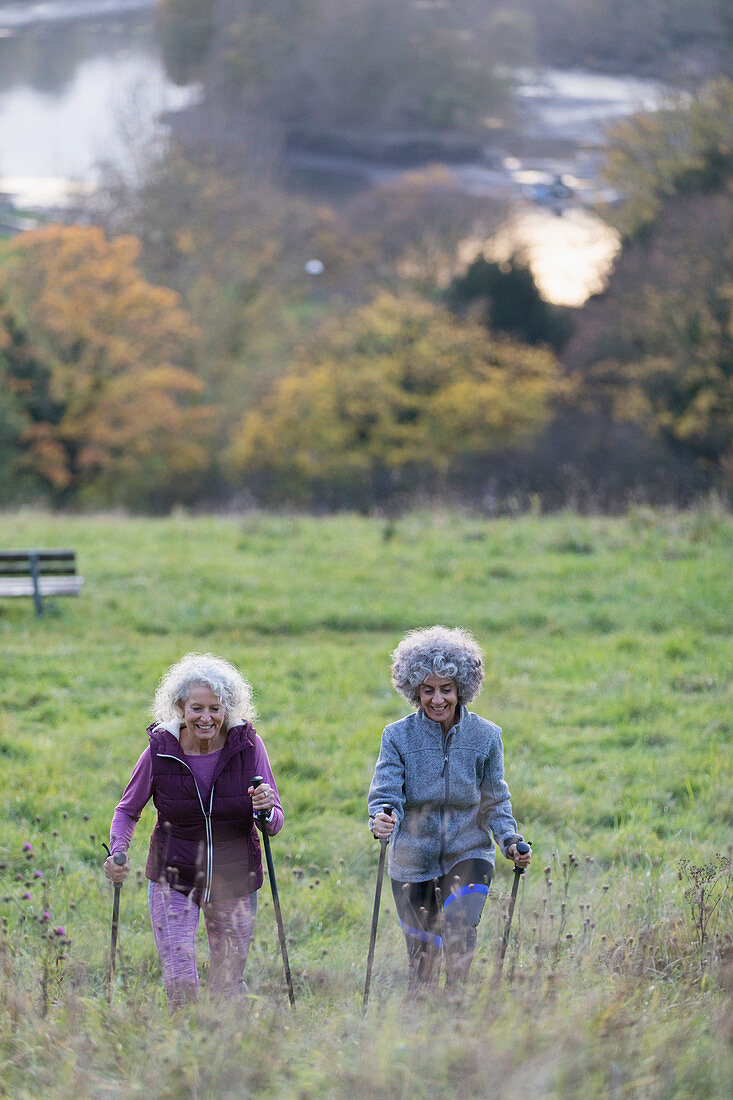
[438,651]
[227,683]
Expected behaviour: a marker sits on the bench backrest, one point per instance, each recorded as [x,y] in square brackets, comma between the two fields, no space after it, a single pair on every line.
[39,573]
[24,563]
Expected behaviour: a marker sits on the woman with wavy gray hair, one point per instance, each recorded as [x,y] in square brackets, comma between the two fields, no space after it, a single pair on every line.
[441,770]
[198,766]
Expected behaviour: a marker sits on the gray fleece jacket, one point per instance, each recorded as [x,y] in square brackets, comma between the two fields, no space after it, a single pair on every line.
[448,793]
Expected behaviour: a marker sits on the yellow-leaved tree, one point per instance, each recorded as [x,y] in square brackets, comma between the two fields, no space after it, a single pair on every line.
[391,396]
[96,364]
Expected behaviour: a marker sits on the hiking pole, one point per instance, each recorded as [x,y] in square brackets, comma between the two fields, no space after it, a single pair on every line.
[384,842]
[522,848]
[119,859]
[261,816]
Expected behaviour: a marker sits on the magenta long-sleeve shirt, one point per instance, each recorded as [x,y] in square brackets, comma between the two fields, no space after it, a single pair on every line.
[139,791]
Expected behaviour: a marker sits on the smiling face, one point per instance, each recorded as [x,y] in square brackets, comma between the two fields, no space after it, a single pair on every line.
[204,717]
[439,699]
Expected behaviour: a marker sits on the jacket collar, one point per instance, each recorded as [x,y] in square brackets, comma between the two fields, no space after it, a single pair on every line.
[435,727]
[240,734]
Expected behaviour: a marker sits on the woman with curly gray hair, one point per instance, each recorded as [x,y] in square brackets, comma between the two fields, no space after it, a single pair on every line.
[441,770]
[198,766]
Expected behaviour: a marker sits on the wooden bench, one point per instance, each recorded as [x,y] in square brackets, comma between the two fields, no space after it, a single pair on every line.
[39,573]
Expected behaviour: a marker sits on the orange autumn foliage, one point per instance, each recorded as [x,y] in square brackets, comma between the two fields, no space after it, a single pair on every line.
[119,411]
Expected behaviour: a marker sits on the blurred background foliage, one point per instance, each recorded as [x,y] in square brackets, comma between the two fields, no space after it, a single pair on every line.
[178,344]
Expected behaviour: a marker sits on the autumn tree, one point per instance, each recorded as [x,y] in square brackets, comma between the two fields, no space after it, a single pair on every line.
[320,66]
[16,481]
[416,222]
[656,349]
[235,246]
[94,358]
[388,397]
[654,352]
[685,146]
[184,30]
[504,297]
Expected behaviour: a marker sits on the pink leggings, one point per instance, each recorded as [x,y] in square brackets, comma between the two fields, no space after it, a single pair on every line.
[229,928]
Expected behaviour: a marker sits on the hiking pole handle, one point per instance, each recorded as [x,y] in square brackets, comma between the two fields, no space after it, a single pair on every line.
[522,847]
[384,839]
[256,780]
[119,859]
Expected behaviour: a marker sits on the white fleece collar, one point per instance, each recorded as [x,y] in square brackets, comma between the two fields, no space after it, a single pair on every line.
[174,726]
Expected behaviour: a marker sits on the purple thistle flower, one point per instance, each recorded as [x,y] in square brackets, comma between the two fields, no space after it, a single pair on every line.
[60,931]
[46,915]
[38,874]
[26,896]
[27,846]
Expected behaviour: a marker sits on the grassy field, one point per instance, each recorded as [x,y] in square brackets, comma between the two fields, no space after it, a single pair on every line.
[609,669]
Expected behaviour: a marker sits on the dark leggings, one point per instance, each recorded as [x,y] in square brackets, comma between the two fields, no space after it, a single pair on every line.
[440,916]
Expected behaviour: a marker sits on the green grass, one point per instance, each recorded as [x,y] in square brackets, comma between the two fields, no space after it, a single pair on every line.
[609,669]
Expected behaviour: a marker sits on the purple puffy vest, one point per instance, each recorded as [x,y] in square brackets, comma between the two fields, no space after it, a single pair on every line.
[211,851]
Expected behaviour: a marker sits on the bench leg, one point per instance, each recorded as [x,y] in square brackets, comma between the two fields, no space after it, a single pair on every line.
[35,574]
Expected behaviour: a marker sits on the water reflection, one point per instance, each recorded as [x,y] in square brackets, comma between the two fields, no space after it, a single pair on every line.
[63,90]
[26,13]
[44,58]
[576,105]
[570,256]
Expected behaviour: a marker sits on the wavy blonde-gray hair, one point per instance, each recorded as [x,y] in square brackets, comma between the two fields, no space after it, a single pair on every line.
[227,683]
[438,651]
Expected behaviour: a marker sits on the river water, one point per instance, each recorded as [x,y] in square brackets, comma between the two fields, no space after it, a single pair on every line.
[77,76]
